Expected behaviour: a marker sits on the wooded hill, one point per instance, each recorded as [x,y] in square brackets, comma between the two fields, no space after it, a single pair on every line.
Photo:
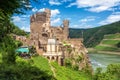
[93,36]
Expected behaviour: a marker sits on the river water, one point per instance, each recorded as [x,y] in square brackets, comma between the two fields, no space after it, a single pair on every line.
[102,60]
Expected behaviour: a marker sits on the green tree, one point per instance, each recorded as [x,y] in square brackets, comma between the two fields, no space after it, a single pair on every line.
[118,45]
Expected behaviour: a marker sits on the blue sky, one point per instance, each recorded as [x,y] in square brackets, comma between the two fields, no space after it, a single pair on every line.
[80,13]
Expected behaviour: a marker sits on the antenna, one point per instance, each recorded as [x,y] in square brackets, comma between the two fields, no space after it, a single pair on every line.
[82,34]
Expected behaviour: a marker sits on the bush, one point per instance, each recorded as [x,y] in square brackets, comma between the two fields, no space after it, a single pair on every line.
[112,73]
[68,63]
[118,45]
[22,71]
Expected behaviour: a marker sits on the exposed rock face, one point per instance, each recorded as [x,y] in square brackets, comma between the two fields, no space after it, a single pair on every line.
[77,54]
[41,31]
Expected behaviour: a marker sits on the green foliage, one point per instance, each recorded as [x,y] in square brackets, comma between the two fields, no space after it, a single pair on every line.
[22,71]
[18,31]
[79,58]
[32,50]
[118,44]
[110,42]
[68,63]
[112,73]
[8,50]
[0,57]
[112,36]
[18,43]
[106,48]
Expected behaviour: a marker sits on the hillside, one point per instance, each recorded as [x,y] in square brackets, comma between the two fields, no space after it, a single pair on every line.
[109,44]
[93,36]
[60,72]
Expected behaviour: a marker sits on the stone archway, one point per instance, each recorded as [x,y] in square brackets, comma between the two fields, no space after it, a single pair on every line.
[53,58]
[48,57]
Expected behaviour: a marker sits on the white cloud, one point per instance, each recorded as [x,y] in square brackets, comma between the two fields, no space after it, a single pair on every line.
[27,29]
[34,9]
[16,18]
[28,6]
[72,4]
[22,18]
[66,0]
[41,10]
[87,19]
[83,25]
[54,12]
[22,21]
[96,5]
[25,16]
[111,18]
[54,2]
[68,18]
[55,21]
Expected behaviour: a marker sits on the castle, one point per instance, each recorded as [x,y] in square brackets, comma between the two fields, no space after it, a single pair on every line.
[49,40]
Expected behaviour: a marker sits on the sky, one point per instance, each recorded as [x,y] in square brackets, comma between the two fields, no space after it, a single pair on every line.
[81,13]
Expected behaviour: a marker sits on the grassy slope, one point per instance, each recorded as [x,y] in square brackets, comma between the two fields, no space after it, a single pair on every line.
[42,63]
[93,36]
[109,43]
[62,73]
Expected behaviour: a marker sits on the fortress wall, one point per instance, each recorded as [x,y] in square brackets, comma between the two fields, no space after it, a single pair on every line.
[75,41]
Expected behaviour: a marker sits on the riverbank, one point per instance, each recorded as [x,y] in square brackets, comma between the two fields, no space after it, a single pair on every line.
[92,50]
[103,60]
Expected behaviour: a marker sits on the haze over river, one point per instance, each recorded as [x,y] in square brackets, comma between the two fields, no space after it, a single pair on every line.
[102,60]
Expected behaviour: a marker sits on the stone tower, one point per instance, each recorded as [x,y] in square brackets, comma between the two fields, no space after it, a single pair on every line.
[66,27]
[46,25]
[48,14]
[40,26]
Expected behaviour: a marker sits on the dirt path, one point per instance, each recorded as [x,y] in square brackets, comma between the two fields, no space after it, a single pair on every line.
[53,69]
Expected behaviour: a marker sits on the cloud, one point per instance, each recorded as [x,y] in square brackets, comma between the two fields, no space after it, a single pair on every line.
[16,18]
[66,0]
[54,2]
[68,18]
[28,6]
[111,18]
[34,9]
[87,19]
[25,16]
[54,12]
[21,18]
[83,25]
[96,5]
[55,21]
[27,29]
[22,21]
[72,4]
[41,10]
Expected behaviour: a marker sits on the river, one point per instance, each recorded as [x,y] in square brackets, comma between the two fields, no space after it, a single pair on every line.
[102,60]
